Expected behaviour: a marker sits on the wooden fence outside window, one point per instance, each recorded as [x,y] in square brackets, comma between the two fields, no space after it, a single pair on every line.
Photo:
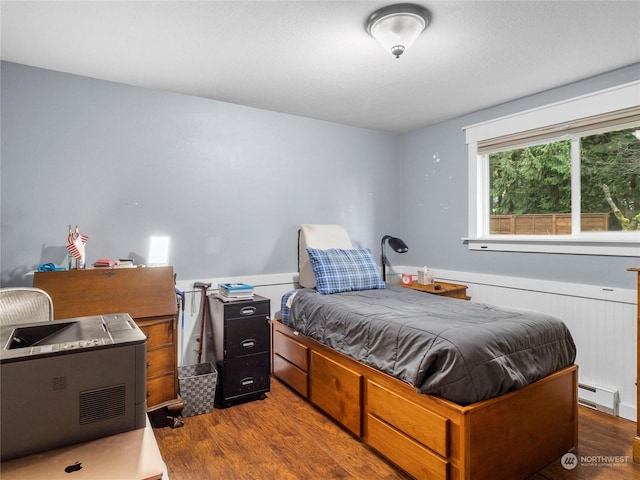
[547,224]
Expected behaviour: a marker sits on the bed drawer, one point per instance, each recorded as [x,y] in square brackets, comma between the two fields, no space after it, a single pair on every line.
[426,427]
[291,375]
[416,460]
[336,390]
[290,350]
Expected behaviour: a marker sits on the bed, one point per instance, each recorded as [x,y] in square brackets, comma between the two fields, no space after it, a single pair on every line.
[400,383]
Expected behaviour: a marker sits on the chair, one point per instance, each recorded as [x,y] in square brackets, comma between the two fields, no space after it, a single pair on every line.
[25,305]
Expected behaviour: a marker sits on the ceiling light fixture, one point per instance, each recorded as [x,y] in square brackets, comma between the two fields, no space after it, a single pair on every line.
[396,27]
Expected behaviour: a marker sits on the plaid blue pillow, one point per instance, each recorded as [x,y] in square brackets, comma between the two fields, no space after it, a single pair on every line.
[338,270]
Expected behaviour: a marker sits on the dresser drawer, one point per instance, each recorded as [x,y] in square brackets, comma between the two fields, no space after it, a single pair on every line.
[160,389]
[160,361]
[159,332]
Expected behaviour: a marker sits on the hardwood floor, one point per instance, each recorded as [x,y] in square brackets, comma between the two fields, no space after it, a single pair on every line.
[284,437]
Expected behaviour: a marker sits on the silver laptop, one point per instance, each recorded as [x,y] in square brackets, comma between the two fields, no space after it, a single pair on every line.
[131,455]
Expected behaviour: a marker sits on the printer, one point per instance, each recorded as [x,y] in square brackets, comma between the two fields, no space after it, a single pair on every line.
[70,381]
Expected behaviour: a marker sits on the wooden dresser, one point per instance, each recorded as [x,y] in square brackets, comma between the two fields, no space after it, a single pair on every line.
[147,294]
[636,441]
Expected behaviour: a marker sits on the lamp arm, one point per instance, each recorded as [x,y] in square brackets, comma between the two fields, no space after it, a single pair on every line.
[383,256]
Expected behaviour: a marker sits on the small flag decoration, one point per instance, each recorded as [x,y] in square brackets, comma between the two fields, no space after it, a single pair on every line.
[76,245]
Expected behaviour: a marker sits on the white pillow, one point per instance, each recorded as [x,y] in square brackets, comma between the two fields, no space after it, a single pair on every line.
[322,237]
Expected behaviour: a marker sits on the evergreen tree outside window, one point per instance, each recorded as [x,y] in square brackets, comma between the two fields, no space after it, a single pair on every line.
[610,176]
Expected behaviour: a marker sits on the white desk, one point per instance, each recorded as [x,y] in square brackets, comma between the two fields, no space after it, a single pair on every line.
[131,455]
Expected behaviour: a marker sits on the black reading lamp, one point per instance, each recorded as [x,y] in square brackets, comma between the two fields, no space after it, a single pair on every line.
[397,245]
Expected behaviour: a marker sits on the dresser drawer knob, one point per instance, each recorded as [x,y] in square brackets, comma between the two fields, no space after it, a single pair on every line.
[148,364]
[248,343]
[248,311]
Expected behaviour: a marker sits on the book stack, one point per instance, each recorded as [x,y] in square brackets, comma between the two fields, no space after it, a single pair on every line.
[125,263]
[235,291]
[103,263]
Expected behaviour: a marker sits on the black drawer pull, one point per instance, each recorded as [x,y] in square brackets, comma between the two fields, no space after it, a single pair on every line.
[248,343]
[248,311]
[247,381]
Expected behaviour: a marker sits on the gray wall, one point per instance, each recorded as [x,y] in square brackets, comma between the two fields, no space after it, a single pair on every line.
[229,184]
[434,199]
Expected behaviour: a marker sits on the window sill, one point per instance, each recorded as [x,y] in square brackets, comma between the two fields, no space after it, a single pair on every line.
[619,245]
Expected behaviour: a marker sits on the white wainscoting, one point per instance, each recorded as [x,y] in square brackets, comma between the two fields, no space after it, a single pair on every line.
[602,320]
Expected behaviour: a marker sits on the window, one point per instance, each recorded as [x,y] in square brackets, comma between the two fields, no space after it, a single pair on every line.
[610,179]
[563,178]
[530,187]
[530,190]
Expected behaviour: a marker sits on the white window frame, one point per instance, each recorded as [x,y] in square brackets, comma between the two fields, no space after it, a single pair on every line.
[587,243]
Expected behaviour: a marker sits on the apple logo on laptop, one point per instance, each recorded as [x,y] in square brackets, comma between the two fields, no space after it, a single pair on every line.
[74,467]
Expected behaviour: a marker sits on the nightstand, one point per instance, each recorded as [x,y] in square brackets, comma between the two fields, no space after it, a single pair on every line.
[453,290]
[241,349]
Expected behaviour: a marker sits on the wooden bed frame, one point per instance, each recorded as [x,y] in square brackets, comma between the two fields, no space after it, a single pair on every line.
[511,436]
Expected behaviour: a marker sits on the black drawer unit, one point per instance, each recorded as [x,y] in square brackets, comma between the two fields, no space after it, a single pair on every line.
[239,343]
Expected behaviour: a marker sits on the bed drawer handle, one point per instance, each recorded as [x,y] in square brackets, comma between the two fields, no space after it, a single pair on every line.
[247,381]
[248,343]
[248,311]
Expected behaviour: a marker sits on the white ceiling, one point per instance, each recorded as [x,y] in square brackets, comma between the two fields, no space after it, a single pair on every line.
[315,59]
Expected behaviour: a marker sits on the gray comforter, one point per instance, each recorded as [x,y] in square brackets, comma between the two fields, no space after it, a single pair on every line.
[461,351]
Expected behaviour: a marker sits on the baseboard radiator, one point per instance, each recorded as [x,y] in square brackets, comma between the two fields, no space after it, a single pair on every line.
[599,398]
